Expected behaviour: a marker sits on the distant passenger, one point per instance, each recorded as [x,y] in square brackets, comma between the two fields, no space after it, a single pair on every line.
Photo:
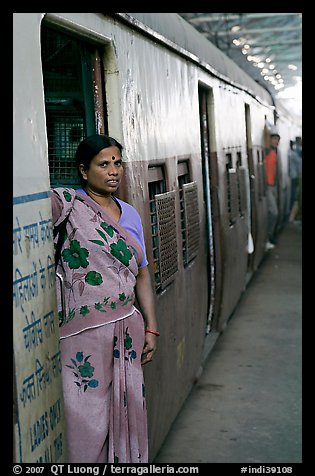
[271,167]
[295,172]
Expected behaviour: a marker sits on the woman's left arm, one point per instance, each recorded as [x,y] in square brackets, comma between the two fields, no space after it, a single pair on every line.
[145,299]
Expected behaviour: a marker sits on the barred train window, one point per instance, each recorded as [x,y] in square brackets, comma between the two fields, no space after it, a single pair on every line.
[189,213]
[239,177]
[232,193]
[261,174]
[69,69]
[163,228]
[183,177]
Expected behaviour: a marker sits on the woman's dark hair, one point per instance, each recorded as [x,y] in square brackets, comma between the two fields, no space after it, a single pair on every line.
[90,147]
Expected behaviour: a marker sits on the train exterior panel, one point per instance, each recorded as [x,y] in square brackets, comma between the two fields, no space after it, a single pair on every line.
[192,126]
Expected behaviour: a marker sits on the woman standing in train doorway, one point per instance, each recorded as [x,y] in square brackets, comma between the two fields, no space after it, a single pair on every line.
[104,337]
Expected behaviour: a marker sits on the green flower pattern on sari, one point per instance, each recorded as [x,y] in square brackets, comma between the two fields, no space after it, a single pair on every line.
[83,371]
[108,228]
[67,195]
[75,256]
[101,306]
[84,310]
[130,354]
[93,278]
[121,251]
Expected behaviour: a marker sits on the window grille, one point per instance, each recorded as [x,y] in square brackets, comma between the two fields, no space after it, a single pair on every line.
[157,185]
[64,103]
[189,213]
[183,178]
[261,174]
[241,190]
[167,242]
[163,228]
[192,228]
[232,197]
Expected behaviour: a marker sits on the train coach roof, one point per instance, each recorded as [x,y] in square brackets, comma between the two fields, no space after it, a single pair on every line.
[177,33]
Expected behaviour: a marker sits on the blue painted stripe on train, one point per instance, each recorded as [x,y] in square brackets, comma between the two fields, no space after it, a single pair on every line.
[31,197]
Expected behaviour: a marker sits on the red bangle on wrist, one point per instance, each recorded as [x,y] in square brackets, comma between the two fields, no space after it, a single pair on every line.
[156,333]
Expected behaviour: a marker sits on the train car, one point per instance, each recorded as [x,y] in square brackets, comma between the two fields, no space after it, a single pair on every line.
[192,125]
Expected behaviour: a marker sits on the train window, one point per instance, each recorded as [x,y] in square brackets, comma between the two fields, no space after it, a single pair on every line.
[189,213]
[241,185]
[70,67]
[261,175]
[232,195]
[163,228]
[183,178]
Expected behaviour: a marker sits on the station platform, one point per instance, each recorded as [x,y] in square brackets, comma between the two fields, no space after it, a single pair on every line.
[246,407]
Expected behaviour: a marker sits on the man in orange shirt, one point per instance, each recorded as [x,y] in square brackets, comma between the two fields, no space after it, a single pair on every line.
[271,182]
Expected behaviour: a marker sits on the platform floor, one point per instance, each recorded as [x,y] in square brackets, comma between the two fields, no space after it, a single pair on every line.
[246,406]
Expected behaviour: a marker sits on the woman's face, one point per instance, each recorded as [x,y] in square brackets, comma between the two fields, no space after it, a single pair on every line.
[105,171]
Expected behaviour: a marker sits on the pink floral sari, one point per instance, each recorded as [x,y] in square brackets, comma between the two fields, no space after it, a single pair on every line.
[102,337]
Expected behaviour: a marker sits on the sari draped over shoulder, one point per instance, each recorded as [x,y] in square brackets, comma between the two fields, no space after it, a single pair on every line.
[99,262]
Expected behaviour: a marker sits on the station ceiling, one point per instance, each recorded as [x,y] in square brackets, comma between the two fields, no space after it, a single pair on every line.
[268,46]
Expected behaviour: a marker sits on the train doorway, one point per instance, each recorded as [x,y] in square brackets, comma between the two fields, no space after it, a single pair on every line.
[210,187]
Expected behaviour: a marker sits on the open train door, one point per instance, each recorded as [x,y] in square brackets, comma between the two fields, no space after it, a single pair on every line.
[213,224]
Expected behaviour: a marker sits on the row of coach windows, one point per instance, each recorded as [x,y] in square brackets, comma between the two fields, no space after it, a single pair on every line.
[164,223]
[236,187]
